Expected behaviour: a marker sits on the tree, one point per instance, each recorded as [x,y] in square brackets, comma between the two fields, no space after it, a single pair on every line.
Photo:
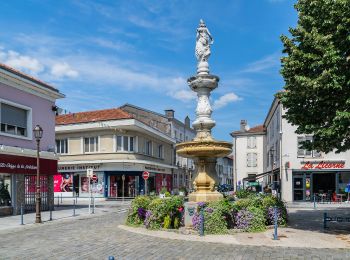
[316,71]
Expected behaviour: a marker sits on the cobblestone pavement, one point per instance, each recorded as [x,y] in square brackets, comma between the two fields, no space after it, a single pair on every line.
[98,237]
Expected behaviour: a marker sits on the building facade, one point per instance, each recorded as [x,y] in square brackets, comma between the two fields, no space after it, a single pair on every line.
[224,170]
[118,148]
[248,152]
[300,173]
[24,103]
[180,131]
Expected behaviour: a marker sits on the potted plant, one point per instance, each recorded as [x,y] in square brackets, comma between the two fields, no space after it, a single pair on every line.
[162,192]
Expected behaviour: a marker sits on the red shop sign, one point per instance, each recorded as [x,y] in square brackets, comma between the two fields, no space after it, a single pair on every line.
[26,165]
[323,165]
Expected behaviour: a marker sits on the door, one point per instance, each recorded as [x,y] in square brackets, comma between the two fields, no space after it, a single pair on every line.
[298,188]
[113,186]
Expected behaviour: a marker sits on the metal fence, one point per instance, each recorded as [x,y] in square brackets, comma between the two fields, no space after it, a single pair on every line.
[29,192]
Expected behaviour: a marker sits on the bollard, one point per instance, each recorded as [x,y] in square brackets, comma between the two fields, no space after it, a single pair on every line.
[58,201]
[93,205]
[51,213]
[76,199]
[61,198]
[111,258]
[22,212]
[325,220]
[201,228]
[275,236]
[73,208]
[314,200]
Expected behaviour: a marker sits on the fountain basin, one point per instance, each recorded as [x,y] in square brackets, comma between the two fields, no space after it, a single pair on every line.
[207,148]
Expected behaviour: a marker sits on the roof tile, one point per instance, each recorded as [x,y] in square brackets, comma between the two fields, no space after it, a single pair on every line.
[92,116]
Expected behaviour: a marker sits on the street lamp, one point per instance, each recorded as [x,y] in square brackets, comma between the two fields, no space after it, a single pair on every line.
[38,134]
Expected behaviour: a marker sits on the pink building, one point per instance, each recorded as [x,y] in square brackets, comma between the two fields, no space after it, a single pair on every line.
[24,103]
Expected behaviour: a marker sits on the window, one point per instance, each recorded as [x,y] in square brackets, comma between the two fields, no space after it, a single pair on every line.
[303,152]
[125,143]
[251,142]
[62,146]
[14,119]
[252,160]
[160,151]
[90,144]
[148,148]
[180,136]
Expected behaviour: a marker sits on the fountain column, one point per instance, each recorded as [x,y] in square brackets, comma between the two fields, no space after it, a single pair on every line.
[204,149]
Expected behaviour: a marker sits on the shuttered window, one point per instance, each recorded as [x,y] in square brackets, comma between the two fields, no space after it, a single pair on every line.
[13,120]
[251,142]
[252,160]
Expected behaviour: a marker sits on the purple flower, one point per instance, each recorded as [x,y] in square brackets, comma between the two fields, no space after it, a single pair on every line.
[141,212]
[196,221]
[148,218]
[201,204]
[243,219]
[209,210]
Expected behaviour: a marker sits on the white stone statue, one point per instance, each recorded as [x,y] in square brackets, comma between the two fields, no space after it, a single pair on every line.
[203,42]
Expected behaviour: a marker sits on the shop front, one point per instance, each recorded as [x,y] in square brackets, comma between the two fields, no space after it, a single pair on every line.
[324,179]
[18,183]
[114,180]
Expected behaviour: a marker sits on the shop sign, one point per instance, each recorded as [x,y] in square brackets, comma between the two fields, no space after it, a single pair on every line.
[320,165]
[80,167]
[26,165]
[154,168]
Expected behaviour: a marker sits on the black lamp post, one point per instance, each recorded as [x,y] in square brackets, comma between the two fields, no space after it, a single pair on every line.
[38,133]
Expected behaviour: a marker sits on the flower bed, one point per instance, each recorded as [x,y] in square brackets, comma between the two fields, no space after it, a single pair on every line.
[252,213]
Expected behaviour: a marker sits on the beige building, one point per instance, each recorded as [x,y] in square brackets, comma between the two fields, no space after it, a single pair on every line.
[118,147]
[177,130]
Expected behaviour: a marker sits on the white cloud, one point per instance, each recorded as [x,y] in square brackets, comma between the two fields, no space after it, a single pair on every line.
[225,100]
[183,95]
[115,45]
[21,62]
[268,62]
[62,69]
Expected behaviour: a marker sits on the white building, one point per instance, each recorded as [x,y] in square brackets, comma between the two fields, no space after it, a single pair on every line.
[248,153]
[300,172]
[224,169]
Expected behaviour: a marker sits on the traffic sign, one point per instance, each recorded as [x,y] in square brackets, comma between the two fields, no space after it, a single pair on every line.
[145,175]
[89,173]
[94,177]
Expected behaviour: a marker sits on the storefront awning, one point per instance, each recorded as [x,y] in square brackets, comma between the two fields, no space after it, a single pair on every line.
[26,165]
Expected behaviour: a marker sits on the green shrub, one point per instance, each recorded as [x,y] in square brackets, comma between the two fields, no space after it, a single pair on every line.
[241,194]
[167,194]
[215,223]
[176,223]
[167,222]
[140,202]
[258,221]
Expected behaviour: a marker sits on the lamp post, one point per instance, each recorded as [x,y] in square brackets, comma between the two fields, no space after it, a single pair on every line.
[123,179]
[38,134]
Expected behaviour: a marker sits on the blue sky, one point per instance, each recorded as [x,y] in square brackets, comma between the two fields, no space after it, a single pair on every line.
[103,54]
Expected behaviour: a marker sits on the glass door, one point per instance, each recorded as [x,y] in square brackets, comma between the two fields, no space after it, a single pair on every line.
[298,188]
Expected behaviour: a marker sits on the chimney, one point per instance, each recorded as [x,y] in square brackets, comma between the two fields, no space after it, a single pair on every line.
[169,113]
[243,125]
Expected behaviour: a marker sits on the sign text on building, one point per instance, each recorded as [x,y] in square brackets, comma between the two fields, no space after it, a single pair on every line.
[323,165]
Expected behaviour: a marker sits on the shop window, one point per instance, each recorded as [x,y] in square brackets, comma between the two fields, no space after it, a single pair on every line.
[5,190]
[90,144]
[252,159]
[148,147]
[125,143]
[14,119]
[160,151]
[304,152]
[251,142]
[62,146]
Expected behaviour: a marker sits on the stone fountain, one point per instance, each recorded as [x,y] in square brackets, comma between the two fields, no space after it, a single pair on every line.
[204,149]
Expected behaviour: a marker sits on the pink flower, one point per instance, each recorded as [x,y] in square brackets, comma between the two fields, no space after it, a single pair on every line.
[180,209]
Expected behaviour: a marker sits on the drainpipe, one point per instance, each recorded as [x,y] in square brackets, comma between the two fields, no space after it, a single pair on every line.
[235,166]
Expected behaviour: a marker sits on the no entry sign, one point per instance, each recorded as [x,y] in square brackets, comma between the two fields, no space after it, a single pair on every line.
[94,178]
[145,175]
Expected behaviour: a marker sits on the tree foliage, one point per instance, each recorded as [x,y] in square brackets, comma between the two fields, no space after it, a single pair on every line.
[316,70]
